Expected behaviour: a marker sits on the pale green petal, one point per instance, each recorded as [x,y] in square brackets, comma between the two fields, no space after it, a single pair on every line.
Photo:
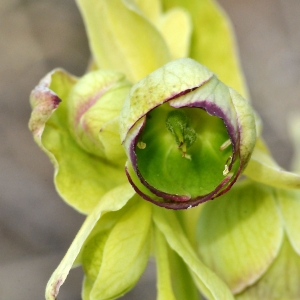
[151,9]
[240,233]
[81,179]
[213,42]
[176,28]
[95,100]
[122,39]
[126,253]
[263,168]
[170,80]
[112,201]
[164,284]
[294,130]
[210,285]
[281,281]
[289,203]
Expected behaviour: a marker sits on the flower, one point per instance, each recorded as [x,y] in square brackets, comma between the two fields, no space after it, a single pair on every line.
[148,79]
[179,153]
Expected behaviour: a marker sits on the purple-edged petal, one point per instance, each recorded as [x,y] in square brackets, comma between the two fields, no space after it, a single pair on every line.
[203,155]
[80,178]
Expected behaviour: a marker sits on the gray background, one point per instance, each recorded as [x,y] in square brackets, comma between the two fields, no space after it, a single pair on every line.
[36,227]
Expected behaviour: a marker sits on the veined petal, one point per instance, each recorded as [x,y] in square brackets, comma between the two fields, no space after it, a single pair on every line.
[289,204]
[281,280]
[182,120]
[240,235]
[74,167]
[94,104]
[122,39]
[112,201]
[213,42]
[207,281]
[264,169]
[125,253]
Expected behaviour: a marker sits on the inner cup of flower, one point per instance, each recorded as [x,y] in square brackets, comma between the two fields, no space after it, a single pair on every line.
[183,151]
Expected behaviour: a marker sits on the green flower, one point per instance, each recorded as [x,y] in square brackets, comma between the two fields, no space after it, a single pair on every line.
[187,135]
[149,87]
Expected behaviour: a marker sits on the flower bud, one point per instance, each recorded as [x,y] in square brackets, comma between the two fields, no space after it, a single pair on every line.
[187,135]
[94,104]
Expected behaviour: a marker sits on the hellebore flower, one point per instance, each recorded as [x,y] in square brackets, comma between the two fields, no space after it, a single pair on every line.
[187,135]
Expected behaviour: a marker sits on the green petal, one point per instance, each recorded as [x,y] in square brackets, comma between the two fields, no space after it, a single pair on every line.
[263,168]
[207,281]
[122,39]
[289,203]
[74,167]
[213,42]
[125,254]
[163,153]
[176,28]
[281,281]
[168,81]
[112,201]
[94,101]
[240,234]
[164,284]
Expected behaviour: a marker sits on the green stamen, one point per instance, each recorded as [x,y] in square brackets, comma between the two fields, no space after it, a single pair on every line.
[177,124]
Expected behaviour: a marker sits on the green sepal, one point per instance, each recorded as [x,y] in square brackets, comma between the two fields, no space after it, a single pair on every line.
[164,284]
[213,41]
[123,253]
[122,38]
[240,234]
[74,167]
[93,107]
[209,284]
[264,169]
[280,281]
[114,200]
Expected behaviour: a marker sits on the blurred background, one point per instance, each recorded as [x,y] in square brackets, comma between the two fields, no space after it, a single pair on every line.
[36,227]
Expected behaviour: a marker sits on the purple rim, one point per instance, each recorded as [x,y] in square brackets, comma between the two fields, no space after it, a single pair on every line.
[179,204]
[183,201]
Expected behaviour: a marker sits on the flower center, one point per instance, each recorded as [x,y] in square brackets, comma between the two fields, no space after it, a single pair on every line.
[184,135]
